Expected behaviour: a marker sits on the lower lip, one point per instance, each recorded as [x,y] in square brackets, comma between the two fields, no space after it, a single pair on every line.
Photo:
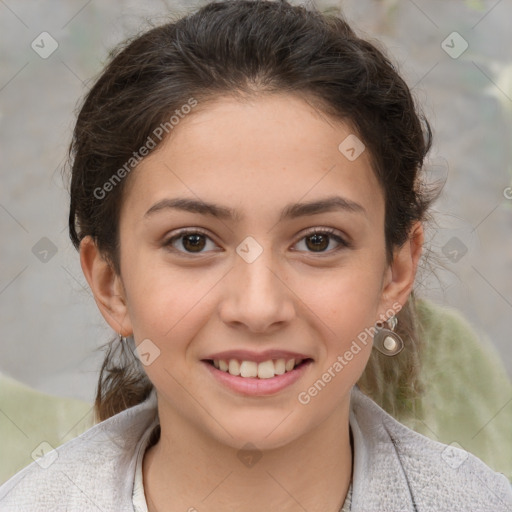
[253,386]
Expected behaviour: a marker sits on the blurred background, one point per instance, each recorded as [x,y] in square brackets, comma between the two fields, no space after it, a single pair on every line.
[456,56]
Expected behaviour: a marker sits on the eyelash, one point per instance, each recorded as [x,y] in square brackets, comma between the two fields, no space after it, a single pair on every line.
[313,231]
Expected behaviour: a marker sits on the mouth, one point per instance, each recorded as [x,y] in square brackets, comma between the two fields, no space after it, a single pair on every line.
[257,379]
[251,369]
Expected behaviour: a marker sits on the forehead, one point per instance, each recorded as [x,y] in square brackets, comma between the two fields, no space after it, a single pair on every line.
[256,154]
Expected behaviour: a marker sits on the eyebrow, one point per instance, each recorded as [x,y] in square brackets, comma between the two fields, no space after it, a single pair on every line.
[291,211]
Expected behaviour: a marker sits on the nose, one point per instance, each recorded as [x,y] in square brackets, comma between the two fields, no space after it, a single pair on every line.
[257,296]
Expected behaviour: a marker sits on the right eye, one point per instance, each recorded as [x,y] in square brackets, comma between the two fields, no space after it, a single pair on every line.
[192,241]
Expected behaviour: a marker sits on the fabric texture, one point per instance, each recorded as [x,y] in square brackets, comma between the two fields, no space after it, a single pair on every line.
[138,497]
[395,469]
[347,505]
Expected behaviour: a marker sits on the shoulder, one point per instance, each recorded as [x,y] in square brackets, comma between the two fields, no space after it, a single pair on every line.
[91,471]
[396,468]
[458,403]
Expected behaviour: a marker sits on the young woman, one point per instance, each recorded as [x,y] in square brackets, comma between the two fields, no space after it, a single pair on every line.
[247,200]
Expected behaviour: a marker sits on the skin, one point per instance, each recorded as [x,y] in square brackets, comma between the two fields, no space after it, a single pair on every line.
[256,157]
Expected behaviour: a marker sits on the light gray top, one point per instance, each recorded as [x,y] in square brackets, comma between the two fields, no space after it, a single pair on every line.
[395,469]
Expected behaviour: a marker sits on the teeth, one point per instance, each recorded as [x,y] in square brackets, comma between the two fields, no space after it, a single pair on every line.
[264,370]
[248,369]
[279,366]
[234,367]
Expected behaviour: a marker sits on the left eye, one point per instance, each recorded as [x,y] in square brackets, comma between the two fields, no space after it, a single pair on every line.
[320,240]
[194,241]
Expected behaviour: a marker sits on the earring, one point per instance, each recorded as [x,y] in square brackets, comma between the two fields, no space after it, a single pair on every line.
[385,340]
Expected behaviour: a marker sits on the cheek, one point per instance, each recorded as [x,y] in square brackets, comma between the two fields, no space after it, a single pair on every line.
[348,295]
[166,305]
[344,305]
[343,318]
[162,297]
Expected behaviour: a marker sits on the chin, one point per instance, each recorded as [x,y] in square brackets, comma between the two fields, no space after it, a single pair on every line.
[262,431]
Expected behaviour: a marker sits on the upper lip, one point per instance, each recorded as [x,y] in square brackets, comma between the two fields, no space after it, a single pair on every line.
[258,357]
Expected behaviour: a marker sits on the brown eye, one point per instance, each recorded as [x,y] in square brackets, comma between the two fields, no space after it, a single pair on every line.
[188,242]
[318,241]
[194,243]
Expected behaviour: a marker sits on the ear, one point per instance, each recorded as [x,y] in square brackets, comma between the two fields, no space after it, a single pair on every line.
[106,287]
[401,273]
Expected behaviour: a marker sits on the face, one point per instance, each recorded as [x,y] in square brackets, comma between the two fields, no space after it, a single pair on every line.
[248,279]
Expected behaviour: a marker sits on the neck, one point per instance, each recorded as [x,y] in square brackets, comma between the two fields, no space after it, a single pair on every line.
[186,470]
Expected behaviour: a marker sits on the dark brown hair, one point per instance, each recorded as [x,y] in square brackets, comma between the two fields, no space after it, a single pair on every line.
[243,49]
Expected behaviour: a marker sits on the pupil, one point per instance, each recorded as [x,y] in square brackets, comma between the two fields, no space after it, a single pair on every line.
[318,239]
[195,241]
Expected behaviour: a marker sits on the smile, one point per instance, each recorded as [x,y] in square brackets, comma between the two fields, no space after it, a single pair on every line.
[264,370]
[257,379]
